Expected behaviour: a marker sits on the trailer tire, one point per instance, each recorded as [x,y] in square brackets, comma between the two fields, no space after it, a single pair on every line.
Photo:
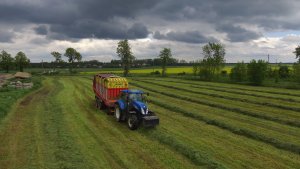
[97,102]
[118,113]
[132,122]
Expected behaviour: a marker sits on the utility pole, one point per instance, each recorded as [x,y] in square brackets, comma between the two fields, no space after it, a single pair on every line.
[268,58]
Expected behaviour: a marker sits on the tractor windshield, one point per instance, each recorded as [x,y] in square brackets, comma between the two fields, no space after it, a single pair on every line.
[137,97]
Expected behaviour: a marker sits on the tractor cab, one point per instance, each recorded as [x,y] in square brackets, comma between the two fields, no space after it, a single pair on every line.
[131,106]
[133,95]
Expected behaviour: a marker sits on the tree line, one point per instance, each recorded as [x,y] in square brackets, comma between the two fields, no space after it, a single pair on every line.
[19,62]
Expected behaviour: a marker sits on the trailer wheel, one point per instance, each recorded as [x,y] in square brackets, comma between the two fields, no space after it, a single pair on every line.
[118,113]
[132,122]
[97,101]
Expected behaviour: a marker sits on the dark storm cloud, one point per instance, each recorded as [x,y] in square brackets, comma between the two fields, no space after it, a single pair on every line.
[118,19]
[95,29]
[41,30]
[188,37]
[237,33]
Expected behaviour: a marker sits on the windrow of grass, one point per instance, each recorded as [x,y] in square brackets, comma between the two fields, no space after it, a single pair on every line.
[200,142]
[234,123]
[233,97]
[219,143]
[269,90]
[266,114]
[234,91]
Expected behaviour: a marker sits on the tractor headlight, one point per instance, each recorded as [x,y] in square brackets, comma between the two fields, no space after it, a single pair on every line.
[142,111]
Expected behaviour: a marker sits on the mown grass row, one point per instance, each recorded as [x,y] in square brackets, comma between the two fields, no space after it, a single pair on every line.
[198,157]
[224,89]
[246,88]
[64,148]
[247,94]
[243,132]
[236,110]
[227,97]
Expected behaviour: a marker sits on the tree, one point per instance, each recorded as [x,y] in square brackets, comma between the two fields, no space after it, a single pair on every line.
[6,61]
[296,68]
[206,69]
[57,57]
[257,71]
[239,72]
[21,60]
[124,52]
[72,56]
[195,67]
[297,53]
[284,72]
[213,61]
[165,56]
[215,54]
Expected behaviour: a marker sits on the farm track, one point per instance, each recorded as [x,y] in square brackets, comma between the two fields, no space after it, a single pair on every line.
[220,106]
[269,104]
[232,86]
[60,127]
[242,131]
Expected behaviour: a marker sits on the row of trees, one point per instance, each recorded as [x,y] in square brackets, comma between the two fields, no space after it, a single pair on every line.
[256,71]
[7,62]
[125,54]
[72,54]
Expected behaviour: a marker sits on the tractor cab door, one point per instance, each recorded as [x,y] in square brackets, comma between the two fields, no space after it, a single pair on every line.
[122,101]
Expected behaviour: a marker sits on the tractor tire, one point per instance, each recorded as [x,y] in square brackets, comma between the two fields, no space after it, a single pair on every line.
[133,122]
[118,113]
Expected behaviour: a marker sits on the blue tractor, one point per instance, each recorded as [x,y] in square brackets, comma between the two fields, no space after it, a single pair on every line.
[131,107]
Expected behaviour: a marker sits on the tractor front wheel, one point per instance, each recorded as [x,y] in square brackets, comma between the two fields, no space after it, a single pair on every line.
[132,122]
[118,114]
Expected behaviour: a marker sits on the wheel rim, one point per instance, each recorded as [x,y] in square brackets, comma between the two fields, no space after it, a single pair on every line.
[130,122]
[117,113]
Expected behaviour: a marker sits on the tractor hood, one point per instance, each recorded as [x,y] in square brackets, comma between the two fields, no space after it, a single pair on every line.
[140,106]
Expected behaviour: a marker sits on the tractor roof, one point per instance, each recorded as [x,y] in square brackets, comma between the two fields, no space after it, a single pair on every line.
[133,91]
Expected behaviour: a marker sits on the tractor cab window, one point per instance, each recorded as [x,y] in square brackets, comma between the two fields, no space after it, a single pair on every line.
[137,97]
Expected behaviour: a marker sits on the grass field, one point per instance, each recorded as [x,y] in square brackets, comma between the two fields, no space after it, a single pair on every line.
[202,125]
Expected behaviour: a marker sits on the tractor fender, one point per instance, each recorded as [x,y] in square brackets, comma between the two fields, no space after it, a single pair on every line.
[121,104]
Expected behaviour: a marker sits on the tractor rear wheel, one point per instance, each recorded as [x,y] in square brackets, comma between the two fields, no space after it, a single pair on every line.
[118,113]
[132,122]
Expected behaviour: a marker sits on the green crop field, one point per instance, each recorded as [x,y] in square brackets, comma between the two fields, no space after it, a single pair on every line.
[202,125]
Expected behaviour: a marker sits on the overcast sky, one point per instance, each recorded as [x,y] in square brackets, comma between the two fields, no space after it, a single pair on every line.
[249,29]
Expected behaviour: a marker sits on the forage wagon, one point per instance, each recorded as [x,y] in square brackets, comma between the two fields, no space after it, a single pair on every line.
[112,93]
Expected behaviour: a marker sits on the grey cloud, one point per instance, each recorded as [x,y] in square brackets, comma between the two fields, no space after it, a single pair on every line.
[237,33]
[95,29]
[188,37]
[41,30]
[6,36]
[97,18]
